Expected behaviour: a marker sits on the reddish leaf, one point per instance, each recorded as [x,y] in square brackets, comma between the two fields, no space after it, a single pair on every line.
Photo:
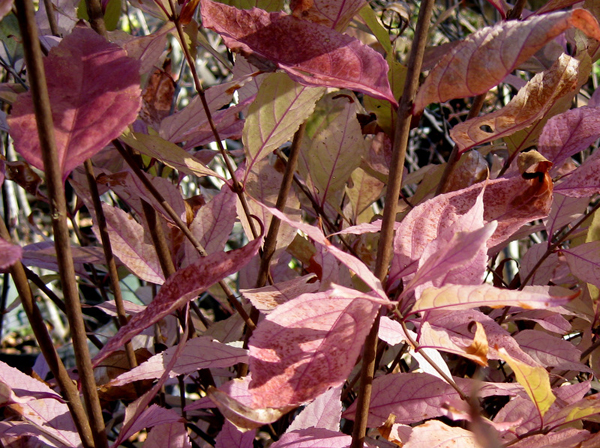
[307,345]
[335,14]
[168,434]
[179,289]
[11,253]
[531,103]
[90,106]
[487,56]
[199,353]
[311,54]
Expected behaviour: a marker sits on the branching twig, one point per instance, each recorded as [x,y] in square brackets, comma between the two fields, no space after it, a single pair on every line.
[58,209]
[384,250]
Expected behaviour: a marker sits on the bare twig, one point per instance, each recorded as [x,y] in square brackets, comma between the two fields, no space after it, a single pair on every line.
[384,249]
[58,209]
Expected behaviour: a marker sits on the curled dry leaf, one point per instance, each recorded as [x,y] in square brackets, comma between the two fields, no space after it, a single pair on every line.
[531,103]
[311,54]
[487,56]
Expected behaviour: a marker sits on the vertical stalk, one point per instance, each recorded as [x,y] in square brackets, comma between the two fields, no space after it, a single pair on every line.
[58,210]
[384,249]
[67,387]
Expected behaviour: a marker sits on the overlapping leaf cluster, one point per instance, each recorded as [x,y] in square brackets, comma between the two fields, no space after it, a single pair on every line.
[472,351]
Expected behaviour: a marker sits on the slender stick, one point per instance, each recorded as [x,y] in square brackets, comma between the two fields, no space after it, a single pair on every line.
[284,190]
[67,387]
[384,249]
[109,257]
[58,210]
[184,228]
[237,186]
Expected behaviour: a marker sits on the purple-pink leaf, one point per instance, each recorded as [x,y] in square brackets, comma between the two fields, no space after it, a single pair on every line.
[311,54]
[566,438]
[307,345]
[179,289]
[584,181]
[232,437]
[486,57]
[584,261]
[5,7]
[90,105]
[38,405]
[313,438]
[172,434]
[267,298]
[461,297]
[199,353]
[551,351]
[325,412]
[569,133]
[11,253]
[43,255]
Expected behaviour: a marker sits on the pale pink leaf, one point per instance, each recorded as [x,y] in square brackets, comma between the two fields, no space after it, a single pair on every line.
[232,437]
[548,320]
[360,229]
[584,181]
[569,133]
[39,405]
[486,57]
[545,272]
[199,353]
[530,104]
[566,438]
[437,434]
[130,247]
[179,289]
[335,14]
[565,210]
[236,389]
[279,109]
[267,298]
[90,106]
[11,253]
[460,297]
[168,435]
[311,54]
[313,438]
[307,345]
[551,351]
[584,261]
[65,15]
[325,412]
[349,260]
[213,224]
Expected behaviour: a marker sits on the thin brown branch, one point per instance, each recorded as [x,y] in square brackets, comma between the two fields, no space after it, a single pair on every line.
[58,213]
[384,249]
[238,188]
[67,387]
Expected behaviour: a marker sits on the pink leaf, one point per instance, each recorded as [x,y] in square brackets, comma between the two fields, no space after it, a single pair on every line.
[349,260]
[486,57]
[437,434]
[565,210]
[179,289]
[566,438]
[584,181]
[267,298]
[551,351]
[232,437]
[313,438]
[325,412]
[311,54]
[5,7]
[460,297]
[39,405]
[90,105]
[199,353]
[168,435]
[584,261]
[11,253]
[307,345]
